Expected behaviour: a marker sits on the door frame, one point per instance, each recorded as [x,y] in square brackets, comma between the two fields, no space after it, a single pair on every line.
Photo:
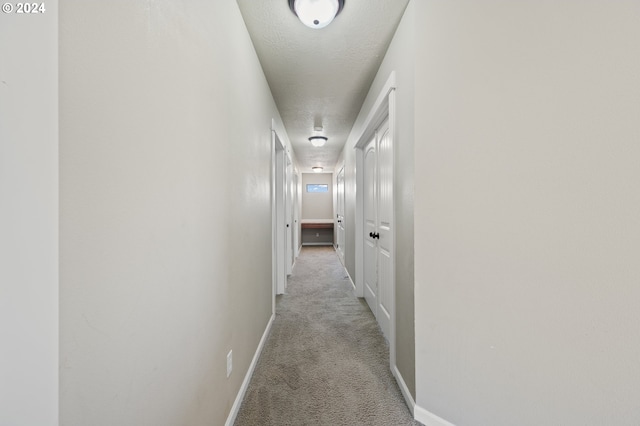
[384,106]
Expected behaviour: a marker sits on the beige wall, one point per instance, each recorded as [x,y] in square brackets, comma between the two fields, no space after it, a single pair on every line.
[317,205]
[527,204]
[165,121]
[29,218]
[399,59]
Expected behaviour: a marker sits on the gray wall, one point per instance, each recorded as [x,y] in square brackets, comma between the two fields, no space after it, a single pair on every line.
[317,205]
[29,218]
[399,59]
[165,119]
[526,234]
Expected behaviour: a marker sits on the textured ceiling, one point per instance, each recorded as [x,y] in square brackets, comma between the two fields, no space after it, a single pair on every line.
[320,77]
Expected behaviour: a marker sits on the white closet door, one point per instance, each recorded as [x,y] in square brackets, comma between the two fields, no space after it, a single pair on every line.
[340,214]
[384,231]
[370,224]
[378,226]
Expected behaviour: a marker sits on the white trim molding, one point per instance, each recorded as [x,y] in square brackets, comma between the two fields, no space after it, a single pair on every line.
[427,418]
[247,378]
[353,284]
[404,389]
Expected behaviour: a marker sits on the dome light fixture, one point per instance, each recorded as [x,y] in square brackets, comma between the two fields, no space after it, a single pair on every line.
[318,141]
[316,13]
[317,169]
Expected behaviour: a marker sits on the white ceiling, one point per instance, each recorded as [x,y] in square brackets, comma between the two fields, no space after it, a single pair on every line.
[320,77]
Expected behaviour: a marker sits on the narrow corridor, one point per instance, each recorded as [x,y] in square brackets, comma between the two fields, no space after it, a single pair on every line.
[326,361]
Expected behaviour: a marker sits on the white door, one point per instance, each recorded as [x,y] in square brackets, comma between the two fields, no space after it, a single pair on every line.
[296,216]
[289,216]
[370,220]
[279,217]
[340,214]
[378,232]
[384,232]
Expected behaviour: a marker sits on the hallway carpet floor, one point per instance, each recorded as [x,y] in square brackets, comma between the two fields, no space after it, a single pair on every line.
[325,361]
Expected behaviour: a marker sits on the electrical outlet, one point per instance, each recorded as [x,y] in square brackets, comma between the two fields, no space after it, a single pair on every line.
[229,363]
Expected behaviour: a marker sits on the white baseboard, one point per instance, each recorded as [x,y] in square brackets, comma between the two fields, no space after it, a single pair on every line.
[350,279]
[427,418]
[404,389]
[247,378]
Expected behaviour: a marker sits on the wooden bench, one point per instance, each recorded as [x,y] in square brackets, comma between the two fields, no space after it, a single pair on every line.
[315,225]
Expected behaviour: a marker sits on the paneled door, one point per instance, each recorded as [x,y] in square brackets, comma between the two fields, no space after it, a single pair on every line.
[279,220]
[296,216]
[289,216]
[340,214]
[370,220]
[384,232]
[378,232]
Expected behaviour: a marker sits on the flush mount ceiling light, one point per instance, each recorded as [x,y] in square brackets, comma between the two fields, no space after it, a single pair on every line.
[318,140]
[317,169]
[316,13]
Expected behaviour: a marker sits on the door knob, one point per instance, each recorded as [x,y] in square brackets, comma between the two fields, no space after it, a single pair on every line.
[371,234]
[376,235]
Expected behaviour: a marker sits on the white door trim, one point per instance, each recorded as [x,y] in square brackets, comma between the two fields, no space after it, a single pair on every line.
[384,106]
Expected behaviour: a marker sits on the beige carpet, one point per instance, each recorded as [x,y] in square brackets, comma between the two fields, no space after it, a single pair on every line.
[325,362]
